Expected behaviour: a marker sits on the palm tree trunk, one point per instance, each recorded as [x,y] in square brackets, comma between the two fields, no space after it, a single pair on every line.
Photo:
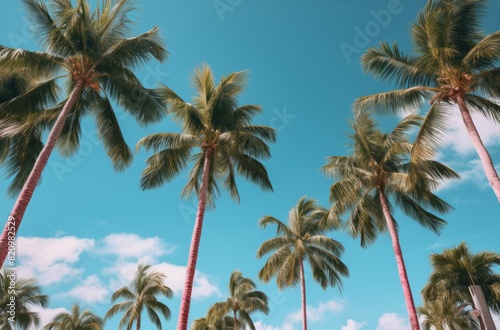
[303,293]
[138,325]
[489,167]
[236,324]
[410,305]
[480,303]
[195,243]
[29,186]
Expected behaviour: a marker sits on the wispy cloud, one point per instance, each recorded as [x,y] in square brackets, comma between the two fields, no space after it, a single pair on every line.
[133,246]
[90,291]
[314,314]
[353,325]
[392,321]
[51,260]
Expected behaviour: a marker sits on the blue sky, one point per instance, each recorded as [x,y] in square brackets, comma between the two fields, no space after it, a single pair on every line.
[87,226]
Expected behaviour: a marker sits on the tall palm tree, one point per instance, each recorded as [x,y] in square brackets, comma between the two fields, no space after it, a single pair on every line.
[460,277]
[228,144]
[18,148]
[244,299]
[299,241]
[140,296]
[455,67]
[93,52]
[377,172]
[27,294]
[77,319]
[446,317]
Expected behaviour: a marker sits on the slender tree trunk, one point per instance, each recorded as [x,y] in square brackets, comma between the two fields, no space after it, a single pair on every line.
[480,303]
[138,325]
[236,324]
[195,243]
[410,305]
[303,294]
[17,213]
[488,166]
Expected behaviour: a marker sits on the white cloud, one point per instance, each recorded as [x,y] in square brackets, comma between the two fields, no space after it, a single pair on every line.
[50,260]
[90,291]
[203,286]
[392,321]
[123,273]
[46,315]
[457,138]
[317,313]
[133,246]
[262,326]
[353,325]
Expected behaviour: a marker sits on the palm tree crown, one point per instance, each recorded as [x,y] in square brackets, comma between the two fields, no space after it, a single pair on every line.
[244,299]
[453,64]
[455,271]
[212,121]
[77,319]
[93,52]
[141,295]
[27,295]
[299,241]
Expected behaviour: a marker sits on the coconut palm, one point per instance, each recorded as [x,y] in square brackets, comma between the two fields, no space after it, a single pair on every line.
[226,323]
[455,67]
[228,144]
[244,300]
[447,317]
[377,172]
[460,277]
[77,319]
[140,296]
[93,52]
[300,241]
[18,148]
[27,294]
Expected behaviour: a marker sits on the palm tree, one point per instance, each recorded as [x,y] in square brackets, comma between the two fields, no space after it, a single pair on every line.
[18,149]
[376,172]
[227,142]
[244,299]
[299,241]
[77,319]
[455,67]
[225,323]
[139,296]
[447,317]
[460,277]
[93,49]
[27,294]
